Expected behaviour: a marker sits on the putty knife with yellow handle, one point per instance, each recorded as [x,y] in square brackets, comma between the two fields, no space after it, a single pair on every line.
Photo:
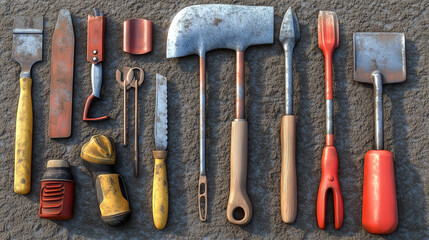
[27,49]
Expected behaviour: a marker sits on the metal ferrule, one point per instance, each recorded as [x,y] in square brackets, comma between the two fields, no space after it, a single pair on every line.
[24,74]
[329,116]
[96,79]
[202,116]
[288,81]
[378,107]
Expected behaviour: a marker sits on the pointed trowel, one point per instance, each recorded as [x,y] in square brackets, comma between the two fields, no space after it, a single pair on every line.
[60,110]
[289,35]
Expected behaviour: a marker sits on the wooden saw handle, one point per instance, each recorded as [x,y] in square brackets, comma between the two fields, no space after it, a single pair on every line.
[239,209]
[160,190]
[24,138]
[288,189]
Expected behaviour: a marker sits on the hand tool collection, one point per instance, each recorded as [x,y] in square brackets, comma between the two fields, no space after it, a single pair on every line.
[378,58]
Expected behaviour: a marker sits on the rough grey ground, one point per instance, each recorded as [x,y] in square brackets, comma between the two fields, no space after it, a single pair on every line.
[406,124]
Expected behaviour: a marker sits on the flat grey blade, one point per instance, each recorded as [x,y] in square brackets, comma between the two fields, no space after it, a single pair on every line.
[289,30]
[27,41]
[200,28]
[384,52]
[161,117]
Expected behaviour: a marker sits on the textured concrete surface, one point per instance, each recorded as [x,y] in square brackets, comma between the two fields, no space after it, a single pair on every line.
[406,124]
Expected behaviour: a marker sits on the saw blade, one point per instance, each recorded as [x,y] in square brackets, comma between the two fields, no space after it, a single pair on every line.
[60,111]
[161,117]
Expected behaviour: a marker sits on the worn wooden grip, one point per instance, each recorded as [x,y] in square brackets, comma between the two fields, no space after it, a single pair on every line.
[202,197]
[160,190]
[24,138]
[239,209]
[288,192]
[379,206]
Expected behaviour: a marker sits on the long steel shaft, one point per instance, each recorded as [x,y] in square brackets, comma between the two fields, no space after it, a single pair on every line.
[288,48]
[136,155]
[329,101]
[202,116]
[240,87]
[202,183]
[378,107]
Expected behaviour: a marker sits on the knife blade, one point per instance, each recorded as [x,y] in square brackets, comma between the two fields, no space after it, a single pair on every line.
[161,113]
[160,183]
[61,99]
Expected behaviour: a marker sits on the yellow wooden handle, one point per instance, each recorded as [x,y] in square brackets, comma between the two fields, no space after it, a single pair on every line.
[23,138]
[288,192]
[160,190]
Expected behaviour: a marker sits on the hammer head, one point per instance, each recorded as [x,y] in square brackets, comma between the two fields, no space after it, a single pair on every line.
[384,52]
[200,28]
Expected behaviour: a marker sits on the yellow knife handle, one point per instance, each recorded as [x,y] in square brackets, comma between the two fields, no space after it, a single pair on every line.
[160,190]
[24,138]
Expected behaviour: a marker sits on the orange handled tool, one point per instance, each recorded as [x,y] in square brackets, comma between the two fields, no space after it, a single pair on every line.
[328,41]
[379,59]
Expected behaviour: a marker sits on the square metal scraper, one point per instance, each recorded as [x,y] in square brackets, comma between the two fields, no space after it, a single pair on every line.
[384,52]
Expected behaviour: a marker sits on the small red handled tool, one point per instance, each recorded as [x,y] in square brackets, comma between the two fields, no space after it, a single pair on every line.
[95,50]
[379,58]
[329,39]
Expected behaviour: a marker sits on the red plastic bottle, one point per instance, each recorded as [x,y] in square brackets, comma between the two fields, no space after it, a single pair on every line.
[56,193]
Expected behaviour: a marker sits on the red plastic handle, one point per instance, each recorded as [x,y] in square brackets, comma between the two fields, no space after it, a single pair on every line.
[330,181]
[379,207]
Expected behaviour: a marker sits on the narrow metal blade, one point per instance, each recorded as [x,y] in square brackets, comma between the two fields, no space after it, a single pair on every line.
[60,111]
[289,30]
[161,117]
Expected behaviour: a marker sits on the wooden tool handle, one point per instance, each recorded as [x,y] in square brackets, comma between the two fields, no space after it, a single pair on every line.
[24,138]
[202,197]
[239,209]
[160,190]
[379,207]
[288,194]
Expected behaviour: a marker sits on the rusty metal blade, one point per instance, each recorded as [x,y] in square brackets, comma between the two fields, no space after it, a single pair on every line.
[161,113]
[27,43]
[383,52]
[60,112]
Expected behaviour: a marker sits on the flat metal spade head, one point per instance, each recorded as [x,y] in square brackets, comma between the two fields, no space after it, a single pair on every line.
[289,31]
[27,41]
[198,29]
[384,52]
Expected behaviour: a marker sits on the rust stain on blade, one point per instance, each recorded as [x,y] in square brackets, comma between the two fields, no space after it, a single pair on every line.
[61,99]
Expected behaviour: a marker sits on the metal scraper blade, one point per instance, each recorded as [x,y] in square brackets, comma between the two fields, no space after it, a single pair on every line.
[61,99]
